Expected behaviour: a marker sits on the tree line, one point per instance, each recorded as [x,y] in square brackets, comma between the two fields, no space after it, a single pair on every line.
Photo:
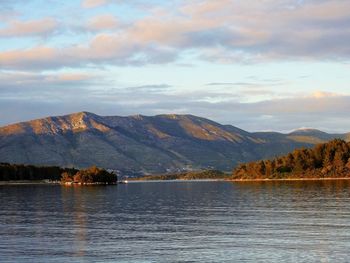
[330,159]
[21,172]
[190,175]
[15,172]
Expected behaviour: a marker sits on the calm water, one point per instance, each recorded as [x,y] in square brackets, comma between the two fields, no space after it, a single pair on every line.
[177,222]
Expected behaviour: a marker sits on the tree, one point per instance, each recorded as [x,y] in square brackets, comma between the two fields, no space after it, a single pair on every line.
[94,175]
[66,177]
[324,160]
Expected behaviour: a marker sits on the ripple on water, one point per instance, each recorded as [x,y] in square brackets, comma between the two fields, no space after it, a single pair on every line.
[177,222]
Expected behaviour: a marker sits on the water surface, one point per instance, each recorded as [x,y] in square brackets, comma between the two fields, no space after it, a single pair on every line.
[177,222]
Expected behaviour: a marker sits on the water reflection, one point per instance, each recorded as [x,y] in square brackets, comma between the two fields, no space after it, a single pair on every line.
[177,222]
[74,206]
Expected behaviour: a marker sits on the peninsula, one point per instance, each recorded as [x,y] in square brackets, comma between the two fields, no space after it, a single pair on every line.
[325,161]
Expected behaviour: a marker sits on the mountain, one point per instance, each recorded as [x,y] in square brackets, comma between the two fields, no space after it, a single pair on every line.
[143,144]
[312,136]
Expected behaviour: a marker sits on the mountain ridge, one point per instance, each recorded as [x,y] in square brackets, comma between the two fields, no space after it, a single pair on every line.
[139,144]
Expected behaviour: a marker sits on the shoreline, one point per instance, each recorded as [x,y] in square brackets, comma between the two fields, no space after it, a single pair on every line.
[178,180]
[245,180]
[28,182]
[39,182]
[44,182]
[289,179]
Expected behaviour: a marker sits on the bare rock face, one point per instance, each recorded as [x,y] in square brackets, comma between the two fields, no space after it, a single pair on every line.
[141,144]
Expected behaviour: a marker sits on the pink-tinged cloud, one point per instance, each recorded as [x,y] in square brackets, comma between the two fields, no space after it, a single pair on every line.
[221,31]
[28,58]
[93,3]
[73,77]
[18,28]
[102,22]
[103,48]
[324,94]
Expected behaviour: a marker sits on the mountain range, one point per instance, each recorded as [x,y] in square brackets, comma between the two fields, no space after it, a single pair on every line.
[139,144]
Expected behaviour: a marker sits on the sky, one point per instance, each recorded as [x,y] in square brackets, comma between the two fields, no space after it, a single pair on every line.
[268,65]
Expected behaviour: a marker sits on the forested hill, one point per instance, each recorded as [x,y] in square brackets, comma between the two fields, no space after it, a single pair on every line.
[328,160]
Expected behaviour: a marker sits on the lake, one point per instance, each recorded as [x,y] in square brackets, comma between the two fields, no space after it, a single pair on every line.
[177,222]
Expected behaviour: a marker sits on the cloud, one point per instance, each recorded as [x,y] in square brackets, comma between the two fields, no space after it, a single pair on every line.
[91,93]
[102,49]
[93,3]
[222,32]
[50,73]
[154,89]
[12,83]
[7,15]
[7,5]
[16,28]
[102,22]
[246,84]
[37,57]
[322,94]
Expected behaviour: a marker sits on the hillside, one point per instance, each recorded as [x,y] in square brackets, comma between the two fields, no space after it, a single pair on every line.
[328,160]
[142,144]
[194,175]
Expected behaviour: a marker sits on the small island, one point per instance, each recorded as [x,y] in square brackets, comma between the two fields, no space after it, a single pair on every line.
[325,161]
[31,174]
[89,176]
